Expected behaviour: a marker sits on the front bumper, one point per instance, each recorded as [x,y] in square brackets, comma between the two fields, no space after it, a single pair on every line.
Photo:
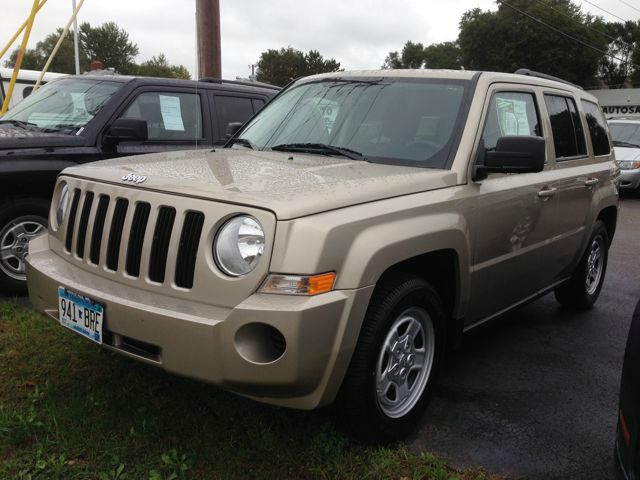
[201,341]
[630,179]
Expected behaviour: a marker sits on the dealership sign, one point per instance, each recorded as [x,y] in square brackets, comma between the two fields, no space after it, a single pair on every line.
[621,110]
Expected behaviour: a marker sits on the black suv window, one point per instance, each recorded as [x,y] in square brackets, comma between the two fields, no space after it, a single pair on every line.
[258,103]
[568,136]
[170,116]
[510,113]
[232,109]
[597,128]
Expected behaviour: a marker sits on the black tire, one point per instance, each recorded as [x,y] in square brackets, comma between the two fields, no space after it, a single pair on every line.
[367,415]
[577,292]
[28,212]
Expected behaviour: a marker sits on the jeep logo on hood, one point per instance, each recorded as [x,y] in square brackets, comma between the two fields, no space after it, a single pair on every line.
[132,177]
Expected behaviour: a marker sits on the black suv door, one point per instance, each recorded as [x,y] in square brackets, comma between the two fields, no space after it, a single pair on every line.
[177,119]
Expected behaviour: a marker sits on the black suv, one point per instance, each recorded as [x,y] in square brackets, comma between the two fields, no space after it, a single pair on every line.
[79,119]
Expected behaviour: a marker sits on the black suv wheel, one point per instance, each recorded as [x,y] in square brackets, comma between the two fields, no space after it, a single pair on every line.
[20,221]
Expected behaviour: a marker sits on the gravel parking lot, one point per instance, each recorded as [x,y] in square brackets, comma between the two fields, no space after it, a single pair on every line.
[534,395]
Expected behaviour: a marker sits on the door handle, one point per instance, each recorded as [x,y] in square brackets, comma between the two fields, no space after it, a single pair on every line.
[546,193]
[590,182]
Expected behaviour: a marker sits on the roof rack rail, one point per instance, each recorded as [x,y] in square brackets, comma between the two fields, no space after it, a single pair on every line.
[531,73]
[238,82]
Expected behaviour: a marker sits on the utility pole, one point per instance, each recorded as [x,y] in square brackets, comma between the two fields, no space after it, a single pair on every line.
[209,52]
[76,50]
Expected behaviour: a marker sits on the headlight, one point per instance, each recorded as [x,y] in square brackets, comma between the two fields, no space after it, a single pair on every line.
[629,165]
[63,200]
[239,246]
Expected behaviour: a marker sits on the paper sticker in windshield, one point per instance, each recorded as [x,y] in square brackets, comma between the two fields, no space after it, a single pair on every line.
[171,113]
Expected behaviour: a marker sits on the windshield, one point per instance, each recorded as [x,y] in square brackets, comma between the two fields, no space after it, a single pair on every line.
[64,105]
[625,134]
[405,121]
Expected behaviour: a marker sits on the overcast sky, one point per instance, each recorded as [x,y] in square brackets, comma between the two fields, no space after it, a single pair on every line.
[357,33]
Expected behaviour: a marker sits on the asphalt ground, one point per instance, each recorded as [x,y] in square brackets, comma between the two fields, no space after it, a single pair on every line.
[534,394]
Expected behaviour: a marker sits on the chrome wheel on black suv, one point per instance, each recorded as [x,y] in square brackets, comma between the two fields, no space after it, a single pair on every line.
[20,221]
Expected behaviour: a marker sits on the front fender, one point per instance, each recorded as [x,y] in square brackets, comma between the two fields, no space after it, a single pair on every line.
[361,242]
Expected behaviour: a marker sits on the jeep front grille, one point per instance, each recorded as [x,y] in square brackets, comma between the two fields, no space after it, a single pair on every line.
[72,218]
[98,229]
[115,236]
[115,222]
[160,245]
[188,250]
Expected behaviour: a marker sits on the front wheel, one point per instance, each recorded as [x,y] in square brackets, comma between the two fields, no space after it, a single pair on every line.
[20,221]
[583,288]
[393,370]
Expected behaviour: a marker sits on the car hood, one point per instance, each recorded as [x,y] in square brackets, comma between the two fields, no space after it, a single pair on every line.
[289,184]
[627,153]
[17,138]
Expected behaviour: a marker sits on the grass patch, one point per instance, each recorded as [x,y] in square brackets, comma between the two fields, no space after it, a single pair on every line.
[70,410]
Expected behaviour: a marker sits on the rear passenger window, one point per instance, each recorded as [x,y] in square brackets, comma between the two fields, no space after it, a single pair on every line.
[258,103]
[597,128]
[232,109]
[568,136]
[510,113]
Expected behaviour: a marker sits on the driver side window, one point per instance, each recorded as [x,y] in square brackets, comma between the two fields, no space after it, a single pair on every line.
[510,113]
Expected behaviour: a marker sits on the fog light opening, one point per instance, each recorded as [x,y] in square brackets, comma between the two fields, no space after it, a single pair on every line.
[260,343]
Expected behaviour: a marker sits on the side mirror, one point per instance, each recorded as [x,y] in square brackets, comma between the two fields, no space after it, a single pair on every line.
[232,129]
[127,130]
[513,154]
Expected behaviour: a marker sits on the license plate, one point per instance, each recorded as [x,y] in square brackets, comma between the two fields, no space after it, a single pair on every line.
[80,314]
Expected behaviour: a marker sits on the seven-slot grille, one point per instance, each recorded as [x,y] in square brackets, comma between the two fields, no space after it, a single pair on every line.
[116,221]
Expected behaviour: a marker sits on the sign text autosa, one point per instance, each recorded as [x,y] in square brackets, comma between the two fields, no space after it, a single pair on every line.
[621,110]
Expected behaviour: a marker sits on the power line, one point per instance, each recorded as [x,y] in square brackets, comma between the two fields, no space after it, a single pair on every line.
[551,27]
[629,5]
[605,11]
[579,22]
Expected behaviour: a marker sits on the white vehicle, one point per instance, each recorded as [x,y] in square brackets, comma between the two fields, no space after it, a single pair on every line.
[24,84]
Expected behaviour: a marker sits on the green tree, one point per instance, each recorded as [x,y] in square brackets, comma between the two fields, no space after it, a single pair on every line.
[159,67]
[614,72]
[64,61]
[416,55]
[443,55]
[412,56]
[111,45]
[316,64]
[279,67]
[505,40]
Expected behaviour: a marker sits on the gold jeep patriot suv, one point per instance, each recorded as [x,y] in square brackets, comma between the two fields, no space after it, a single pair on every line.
[343,240]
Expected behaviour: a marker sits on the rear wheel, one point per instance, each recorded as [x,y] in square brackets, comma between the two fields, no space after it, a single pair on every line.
[583,288]
[393,370]
[20,221]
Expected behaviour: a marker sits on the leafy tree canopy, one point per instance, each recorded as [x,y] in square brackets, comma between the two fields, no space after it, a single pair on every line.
[505,40]
[64,62]
[108,43]
[279,67]
[415,55]
[160,67]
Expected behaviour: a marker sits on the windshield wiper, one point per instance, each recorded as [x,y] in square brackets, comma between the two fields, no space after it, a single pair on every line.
[618,143]
[241,141]
[19,123]
[319,148]
[61,128]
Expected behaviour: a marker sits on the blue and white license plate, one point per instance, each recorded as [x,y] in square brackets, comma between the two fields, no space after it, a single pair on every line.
[80,314]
